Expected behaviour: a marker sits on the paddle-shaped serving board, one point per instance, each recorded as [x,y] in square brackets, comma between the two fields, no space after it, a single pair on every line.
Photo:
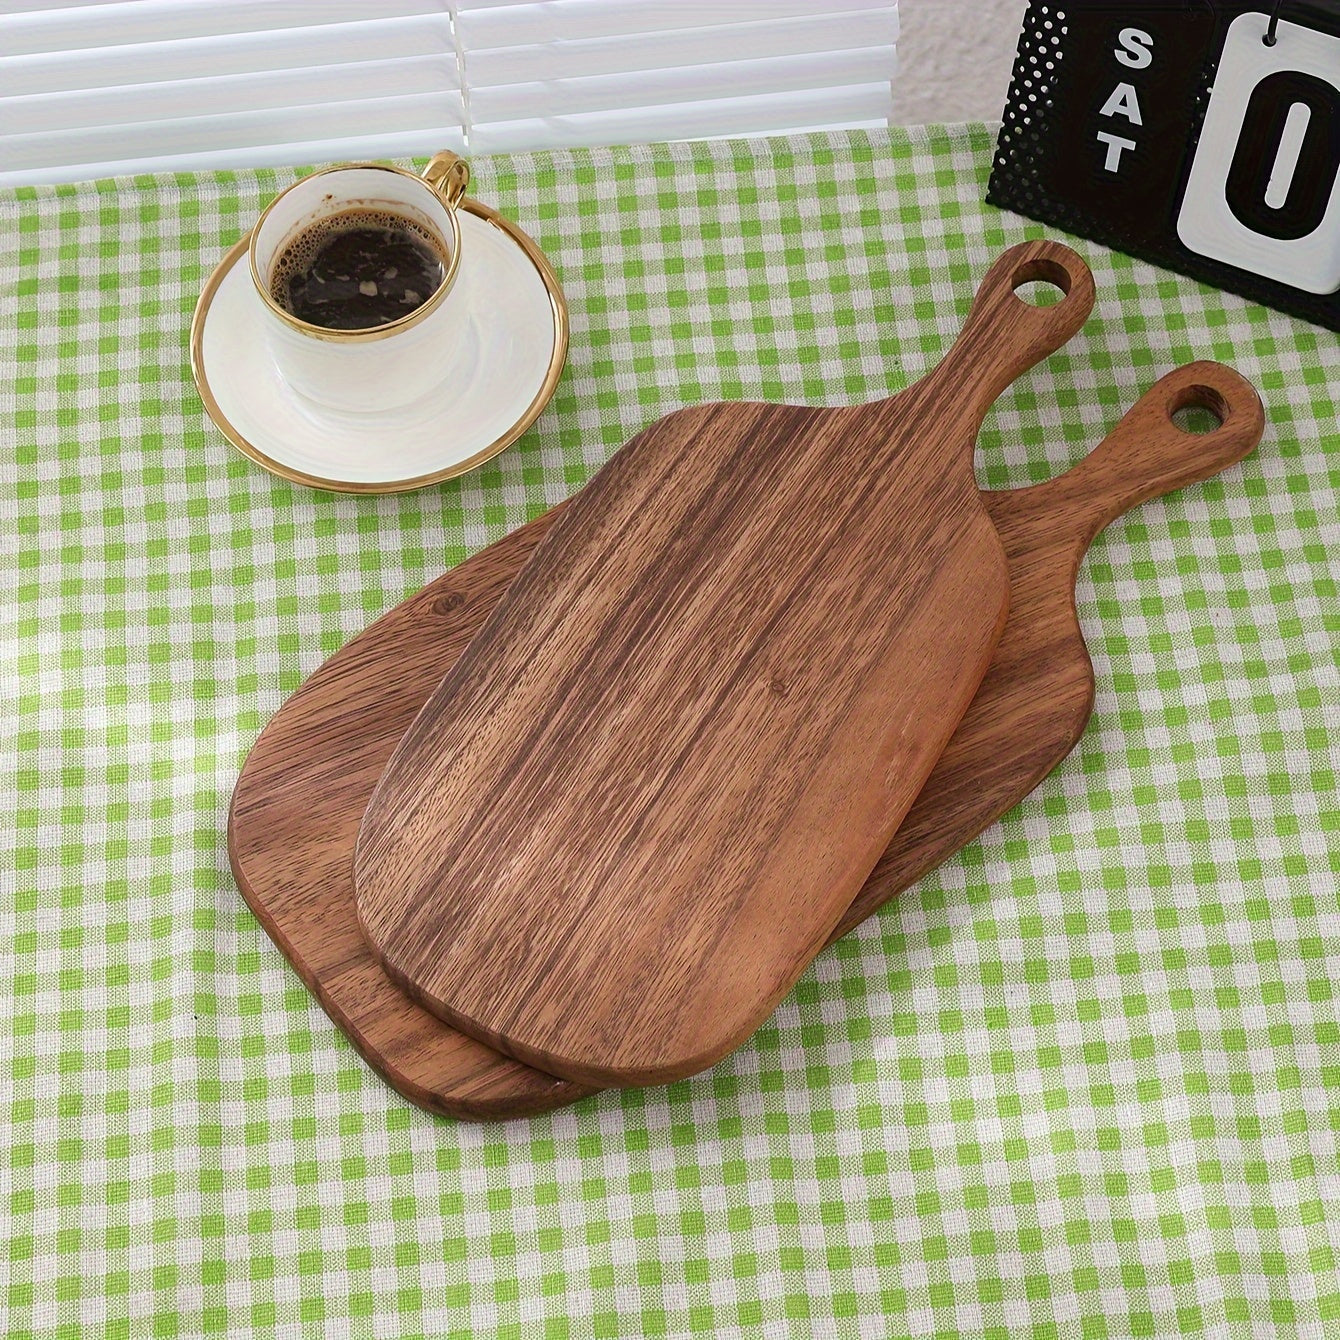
[640,802]
[306,783]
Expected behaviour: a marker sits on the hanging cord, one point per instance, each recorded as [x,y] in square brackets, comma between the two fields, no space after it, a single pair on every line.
[1272,33]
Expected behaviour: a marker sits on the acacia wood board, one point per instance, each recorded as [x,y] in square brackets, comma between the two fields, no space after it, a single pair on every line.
[295,814]
[639,803]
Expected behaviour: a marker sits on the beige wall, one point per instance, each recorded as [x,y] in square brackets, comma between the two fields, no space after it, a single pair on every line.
[954,59]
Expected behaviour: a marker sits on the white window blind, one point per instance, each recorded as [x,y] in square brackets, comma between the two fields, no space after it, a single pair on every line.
[616,71]
[114,86]
[95,89]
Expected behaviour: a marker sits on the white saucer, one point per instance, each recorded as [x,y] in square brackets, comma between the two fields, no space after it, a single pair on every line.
[507,352]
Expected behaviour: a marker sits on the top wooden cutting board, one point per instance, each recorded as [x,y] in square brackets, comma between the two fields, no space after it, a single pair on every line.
[639,803]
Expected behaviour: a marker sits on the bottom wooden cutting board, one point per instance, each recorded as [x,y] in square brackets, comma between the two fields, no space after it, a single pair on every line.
[300,798]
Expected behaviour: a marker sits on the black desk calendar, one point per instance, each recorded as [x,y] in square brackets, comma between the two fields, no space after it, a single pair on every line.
[1199,134]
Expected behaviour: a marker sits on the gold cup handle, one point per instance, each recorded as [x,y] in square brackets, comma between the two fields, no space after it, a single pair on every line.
[448,174]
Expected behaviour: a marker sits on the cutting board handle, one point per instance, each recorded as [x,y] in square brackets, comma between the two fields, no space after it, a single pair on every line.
[1148,454]
[1004,336]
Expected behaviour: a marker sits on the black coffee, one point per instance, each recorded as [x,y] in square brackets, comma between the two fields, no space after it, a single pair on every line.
[356,269]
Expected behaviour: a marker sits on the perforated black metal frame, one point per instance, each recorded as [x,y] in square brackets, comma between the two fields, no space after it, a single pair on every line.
[1029,175]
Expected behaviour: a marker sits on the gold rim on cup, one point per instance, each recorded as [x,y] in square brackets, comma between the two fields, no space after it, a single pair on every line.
[447,175]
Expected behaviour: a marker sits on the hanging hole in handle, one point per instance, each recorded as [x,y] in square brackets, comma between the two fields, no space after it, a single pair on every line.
[1039,293]
[1041,282]
[1198,410]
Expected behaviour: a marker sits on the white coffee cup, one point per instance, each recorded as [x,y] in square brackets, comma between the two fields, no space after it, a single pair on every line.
[380,367]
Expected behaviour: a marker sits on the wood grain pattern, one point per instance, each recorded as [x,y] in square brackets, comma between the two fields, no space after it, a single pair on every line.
[1037,697]
[640,802]
[307,780]
[294,820]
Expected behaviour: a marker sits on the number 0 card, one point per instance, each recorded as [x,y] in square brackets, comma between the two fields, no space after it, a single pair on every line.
[1199,134]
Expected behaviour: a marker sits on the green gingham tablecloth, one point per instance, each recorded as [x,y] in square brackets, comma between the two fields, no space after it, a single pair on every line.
[1084,1080]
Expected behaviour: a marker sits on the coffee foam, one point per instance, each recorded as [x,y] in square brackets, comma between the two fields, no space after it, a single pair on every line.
[300,251]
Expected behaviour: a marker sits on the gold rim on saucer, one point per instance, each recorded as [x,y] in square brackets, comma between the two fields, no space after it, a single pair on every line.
[557,304]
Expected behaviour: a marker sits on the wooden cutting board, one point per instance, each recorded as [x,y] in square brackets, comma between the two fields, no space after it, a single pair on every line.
[638,805]
[1037,697]
[296,807]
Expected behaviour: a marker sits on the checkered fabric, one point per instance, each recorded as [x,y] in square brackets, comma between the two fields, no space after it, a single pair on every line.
[1082,1081]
